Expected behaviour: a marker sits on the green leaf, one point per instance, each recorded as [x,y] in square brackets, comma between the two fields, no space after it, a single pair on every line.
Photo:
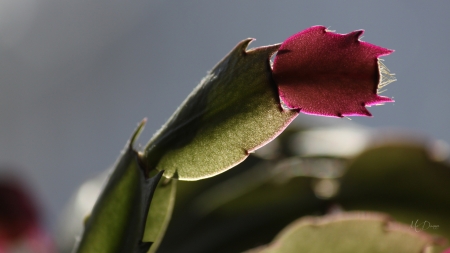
[350,232]
[403,179]
[160,213]
[231,113]
[117,221]
[251,199]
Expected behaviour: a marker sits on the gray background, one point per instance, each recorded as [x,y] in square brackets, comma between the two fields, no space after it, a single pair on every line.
[76,76]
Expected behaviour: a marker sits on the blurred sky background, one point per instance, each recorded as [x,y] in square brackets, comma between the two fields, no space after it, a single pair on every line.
[77,76]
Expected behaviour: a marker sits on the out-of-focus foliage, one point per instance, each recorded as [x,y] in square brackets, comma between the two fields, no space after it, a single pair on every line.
[402,178]
[306,171]
[350,232]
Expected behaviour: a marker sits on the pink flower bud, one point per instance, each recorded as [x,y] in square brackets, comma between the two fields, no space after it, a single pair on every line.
[323,73]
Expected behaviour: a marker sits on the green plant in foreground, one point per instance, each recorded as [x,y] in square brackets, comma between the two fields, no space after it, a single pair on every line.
[241,105]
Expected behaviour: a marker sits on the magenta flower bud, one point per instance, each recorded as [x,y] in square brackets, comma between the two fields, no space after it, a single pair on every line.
[323,73]
[19,221]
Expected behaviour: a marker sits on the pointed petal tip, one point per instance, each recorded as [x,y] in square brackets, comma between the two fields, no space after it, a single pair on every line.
[355,34]
[366,112]
[385,52]
[316,27]
[385,99]
[359,112]
[380,100]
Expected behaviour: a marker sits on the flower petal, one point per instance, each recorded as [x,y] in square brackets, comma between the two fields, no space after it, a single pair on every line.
[329,74]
